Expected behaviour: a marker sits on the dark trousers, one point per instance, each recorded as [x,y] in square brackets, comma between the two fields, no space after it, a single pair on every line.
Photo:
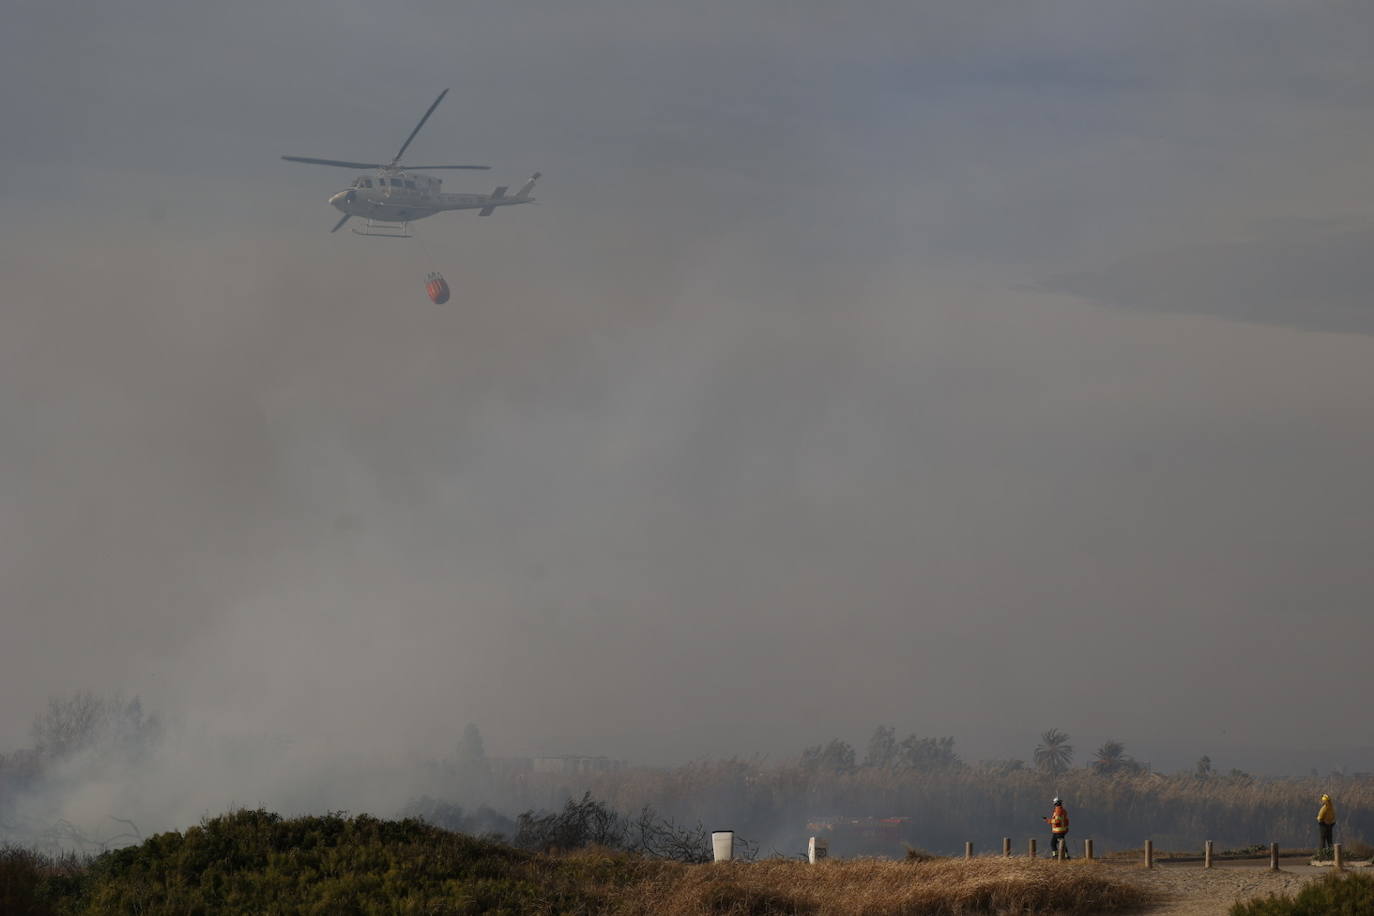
[1326,833]
[1057,840]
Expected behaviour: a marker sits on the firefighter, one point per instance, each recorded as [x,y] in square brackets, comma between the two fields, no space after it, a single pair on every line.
[1326,821]
[1059,829]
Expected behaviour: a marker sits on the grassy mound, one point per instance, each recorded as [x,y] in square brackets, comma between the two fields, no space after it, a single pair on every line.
[257,862]
[1334,895]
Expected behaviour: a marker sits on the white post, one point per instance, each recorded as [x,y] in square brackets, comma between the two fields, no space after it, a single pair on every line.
[1336,856]
[1088,850]
[816,850]
[1207,855]
[723,845]
[1006,847]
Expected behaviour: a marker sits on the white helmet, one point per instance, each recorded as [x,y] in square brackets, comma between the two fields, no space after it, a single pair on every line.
[1057,801]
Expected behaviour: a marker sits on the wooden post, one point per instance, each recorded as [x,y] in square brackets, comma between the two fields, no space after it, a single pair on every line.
[1059,850]
[1088,850]
[1207,855]
[1031,851]
[1006,847]
[1336,856]
[1273,856]
[968,850]
[1149,853]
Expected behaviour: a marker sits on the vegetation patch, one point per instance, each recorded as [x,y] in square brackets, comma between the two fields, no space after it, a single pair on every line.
[258,862]
[1334,895]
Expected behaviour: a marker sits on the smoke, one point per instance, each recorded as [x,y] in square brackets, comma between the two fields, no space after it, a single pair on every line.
[792,408]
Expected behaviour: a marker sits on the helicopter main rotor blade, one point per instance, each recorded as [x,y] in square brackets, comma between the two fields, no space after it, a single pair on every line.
[340,163]
[402,151]
[424,168]
[339,224]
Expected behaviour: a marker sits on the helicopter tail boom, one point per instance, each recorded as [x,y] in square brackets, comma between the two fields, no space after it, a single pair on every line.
[498,197]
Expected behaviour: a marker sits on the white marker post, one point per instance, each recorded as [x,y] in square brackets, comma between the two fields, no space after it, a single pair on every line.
[723,845]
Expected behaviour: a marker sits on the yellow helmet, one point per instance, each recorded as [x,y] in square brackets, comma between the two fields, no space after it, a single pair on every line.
[1326,797]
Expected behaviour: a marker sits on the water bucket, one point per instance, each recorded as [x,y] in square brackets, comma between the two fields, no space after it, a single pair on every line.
[723,845]
[817,849]
[437,288]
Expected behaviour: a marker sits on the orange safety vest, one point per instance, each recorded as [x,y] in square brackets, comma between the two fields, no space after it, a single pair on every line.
[1059,820]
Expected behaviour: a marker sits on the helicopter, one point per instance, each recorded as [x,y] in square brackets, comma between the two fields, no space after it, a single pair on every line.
[396,195]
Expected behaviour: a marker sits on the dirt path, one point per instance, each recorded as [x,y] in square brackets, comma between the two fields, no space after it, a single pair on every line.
[1191,890]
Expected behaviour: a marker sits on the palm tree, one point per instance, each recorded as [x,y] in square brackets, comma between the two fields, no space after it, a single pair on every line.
[1111,756]
[1054,753]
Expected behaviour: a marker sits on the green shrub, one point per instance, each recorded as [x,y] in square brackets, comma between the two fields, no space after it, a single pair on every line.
[1334,895]
[21,873]
[34,884]
[258,862]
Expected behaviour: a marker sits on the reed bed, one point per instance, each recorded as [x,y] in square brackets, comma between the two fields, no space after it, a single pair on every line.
[773,803]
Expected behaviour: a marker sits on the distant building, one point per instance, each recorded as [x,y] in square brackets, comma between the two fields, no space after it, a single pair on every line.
[511,766]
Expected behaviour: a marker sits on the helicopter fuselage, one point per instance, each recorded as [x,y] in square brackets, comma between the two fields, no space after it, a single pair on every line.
[400,197]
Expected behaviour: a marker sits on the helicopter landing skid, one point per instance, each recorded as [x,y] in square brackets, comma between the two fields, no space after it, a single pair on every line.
[384,230]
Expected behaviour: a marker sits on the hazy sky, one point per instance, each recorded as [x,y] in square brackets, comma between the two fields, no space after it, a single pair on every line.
[972,367]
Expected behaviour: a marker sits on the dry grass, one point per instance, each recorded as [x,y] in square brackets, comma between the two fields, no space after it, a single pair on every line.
[874,887]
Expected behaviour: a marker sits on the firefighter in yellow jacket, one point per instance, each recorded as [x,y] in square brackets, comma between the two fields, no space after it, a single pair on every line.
[1059,828]
[1326,821]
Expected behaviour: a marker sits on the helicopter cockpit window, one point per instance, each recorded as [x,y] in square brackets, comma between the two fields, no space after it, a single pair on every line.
[364,182]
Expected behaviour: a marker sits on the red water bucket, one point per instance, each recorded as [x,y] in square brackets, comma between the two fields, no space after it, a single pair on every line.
[437,288]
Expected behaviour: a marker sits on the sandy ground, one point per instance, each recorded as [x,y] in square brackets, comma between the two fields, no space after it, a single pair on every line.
[1187,889]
